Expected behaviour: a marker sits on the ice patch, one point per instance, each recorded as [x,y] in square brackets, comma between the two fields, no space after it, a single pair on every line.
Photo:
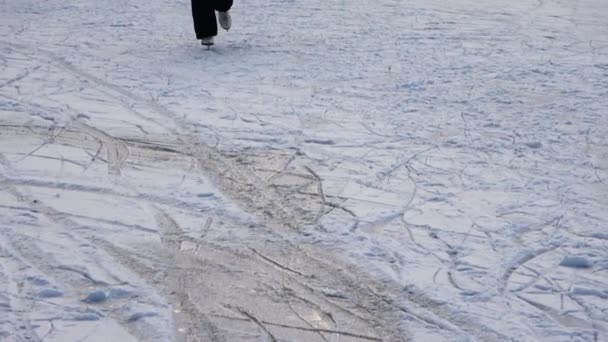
[534,144]
[602,236]
[581,291]
[576,262]
[320,141]
[205,195]
[38,281]
[50,293]
[96,297]
[87,316]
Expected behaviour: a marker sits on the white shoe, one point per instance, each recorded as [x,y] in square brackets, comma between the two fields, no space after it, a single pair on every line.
[225,20]
[207,41]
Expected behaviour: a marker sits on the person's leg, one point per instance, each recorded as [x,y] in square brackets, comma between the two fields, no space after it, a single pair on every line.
[203,13]
[222,5]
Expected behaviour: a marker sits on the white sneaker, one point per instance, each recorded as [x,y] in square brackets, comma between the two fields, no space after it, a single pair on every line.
[225,20]
[207,41]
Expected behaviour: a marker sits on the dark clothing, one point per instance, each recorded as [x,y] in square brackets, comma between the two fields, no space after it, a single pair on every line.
[203,12]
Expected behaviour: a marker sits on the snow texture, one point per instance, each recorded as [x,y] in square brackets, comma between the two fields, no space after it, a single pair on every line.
[330,171]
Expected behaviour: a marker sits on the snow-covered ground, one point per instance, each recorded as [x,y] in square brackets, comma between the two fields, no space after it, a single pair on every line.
[333,170]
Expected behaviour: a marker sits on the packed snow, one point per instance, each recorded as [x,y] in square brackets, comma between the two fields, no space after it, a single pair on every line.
[331,170]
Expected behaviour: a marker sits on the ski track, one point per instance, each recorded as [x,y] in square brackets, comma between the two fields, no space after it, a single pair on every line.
[329,171]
